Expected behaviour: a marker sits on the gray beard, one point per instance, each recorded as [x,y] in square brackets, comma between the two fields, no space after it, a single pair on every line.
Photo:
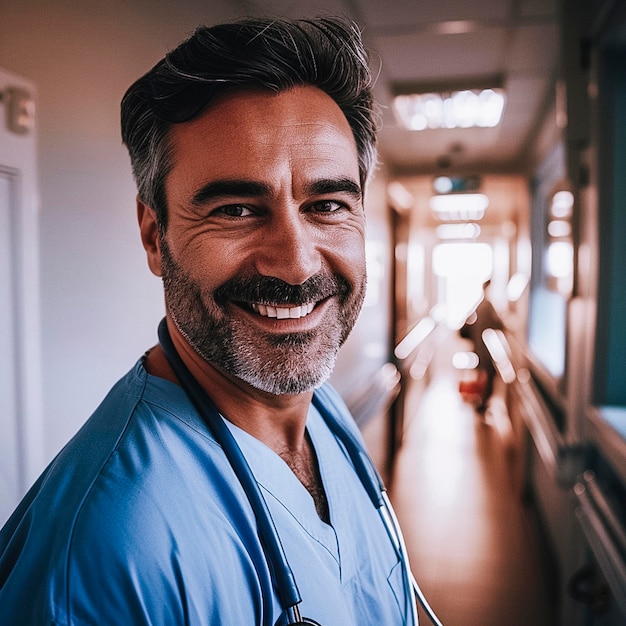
[291,363]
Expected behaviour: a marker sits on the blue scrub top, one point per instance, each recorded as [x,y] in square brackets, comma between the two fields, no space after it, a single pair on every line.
[140,520]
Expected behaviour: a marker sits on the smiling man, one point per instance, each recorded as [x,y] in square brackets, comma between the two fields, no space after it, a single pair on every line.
[263,258]
[222,482]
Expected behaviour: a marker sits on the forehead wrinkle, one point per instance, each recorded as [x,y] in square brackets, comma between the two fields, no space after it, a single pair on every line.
[256,120]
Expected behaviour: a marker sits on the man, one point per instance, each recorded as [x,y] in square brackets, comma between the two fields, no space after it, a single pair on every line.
[250,144]
[483,317]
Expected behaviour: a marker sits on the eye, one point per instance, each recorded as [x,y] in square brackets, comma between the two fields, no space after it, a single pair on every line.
[234,210]
[327,206]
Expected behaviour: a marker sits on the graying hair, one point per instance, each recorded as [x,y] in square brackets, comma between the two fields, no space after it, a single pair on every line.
[260,53]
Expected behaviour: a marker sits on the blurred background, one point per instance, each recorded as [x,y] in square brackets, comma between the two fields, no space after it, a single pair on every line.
[501,147]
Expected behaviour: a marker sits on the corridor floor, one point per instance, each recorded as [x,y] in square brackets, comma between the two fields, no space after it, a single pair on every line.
[473,545]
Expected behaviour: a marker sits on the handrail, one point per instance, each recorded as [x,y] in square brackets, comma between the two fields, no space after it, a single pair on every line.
[499,349]
[561,459]
[414,338]
[544,433]
[382,389]
[605,508]
[604,535]
[603,432]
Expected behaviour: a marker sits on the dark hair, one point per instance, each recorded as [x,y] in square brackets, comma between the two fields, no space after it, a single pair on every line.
[259,53]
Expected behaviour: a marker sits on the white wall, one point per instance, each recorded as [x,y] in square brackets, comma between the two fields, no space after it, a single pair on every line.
[99,303]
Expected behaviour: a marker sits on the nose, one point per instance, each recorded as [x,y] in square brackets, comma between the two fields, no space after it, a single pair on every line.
[288,249]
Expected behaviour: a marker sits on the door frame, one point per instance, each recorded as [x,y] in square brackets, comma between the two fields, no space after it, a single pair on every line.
[18,160]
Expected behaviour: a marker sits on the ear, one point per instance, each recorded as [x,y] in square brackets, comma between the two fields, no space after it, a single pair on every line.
[149,230]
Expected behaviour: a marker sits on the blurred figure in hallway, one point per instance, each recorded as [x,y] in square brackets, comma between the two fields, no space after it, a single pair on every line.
[484,316]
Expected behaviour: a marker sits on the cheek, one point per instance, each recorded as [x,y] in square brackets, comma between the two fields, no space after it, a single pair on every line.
[350,252]
[208,262]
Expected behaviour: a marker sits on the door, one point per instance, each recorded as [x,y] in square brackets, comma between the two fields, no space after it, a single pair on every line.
[21,434]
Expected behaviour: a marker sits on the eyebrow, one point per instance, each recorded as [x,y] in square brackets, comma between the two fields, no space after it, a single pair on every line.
[254,189]
[229,188]
[332,185]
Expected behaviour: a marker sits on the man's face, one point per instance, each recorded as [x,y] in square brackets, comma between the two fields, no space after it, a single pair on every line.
[263,259]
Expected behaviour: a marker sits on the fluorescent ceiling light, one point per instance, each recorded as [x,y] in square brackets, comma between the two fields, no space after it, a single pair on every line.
[400,196]
[562,203]
[516,286]
[459,206]
[456,184]
[467,230]
[465,360]
[559,228]
[457,109]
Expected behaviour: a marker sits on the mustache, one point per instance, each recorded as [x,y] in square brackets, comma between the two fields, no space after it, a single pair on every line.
[272,290]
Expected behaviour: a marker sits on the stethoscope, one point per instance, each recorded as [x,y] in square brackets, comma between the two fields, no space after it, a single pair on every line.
[281,572]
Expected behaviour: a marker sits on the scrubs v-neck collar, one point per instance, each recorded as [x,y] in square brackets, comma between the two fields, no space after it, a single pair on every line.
[277,479]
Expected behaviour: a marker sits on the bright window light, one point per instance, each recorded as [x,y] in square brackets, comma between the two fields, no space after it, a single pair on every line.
[461,268]
[461,259]
[560,259]
[458,109]
[459,206]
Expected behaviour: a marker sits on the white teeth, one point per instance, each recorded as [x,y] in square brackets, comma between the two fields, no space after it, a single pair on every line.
[283,313]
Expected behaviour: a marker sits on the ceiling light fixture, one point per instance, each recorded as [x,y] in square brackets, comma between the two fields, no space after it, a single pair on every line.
[562,204]
[456,27]
[459,206]
[466,230]
[456,109]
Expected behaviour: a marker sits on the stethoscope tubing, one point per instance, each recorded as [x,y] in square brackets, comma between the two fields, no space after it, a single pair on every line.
[373,484]
[282,575]
[395,534]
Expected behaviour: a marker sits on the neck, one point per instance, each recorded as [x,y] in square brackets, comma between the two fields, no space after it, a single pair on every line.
[279,421]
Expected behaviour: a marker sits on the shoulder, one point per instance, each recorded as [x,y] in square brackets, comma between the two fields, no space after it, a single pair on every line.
[127,514]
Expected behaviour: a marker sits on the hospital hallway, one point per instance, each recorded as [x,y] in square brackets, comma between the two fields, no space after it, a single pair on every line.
[473,545]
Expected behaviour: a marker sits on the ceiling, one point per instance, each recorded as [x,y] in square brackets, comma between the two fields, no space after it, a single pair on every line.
[453,43]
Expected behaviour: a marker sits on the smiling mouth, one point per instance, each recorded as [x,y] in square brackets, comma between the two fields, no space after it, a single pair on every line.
[283,312]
